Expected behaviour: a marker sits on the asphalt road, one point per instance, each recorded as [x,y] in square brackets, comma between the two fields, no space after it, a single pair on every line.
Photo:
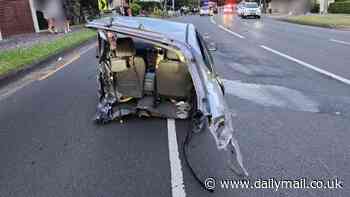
[291,121]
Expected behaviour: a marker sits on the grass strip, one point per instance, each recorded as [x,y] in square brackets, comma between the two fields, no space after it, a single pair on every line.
[329,20]
[14,59]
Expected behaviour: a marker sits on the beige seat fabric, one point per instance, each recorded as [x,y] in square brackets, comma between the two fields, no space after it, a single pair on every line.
[130,81]
[173,78]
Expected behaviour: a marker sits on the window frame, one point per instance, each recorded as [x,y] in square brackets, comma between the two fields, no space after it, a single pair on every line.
[207,58]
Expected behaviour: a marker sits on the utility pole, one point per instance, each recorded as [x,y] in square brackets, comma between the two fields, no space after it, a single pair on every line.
[173,4]
[264,6]
[323,6]
[34,16]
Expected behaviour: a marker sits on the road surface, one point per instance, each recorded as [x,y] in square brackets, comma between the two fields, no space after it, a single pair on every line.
[291,120]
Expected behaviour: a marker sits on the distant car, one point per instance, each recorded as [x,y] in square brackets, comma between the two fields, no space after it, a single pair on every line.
[250,9]
[205,11]
[228,9]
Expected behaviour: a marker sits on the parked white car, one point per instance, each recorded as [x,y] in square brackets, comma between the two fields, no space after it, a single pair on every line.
[205,11]
[249,9]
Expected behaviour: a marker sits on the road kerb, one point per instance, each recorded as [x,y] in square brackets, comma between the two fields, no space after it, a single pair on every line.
[21,72]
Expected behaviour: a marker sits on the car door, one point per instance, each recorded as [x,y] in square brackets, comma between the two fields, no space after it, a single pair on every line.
[209,61]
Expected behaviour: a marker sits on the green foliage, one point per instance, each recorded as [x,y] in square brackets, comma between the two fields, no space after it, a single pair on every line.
[340,7]
[158,13]
[315,8]
[188,3]
[79,10]
[329,20]
[75,9]
[148,6]
[135,8]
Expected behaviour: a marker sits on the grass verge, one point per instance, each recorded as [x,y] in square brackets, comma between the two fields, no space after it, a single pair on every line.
[15,59]
[329,20]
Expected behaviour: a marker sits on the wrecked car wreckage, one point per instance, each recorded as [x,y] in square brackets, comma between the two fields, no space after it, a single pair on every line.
[157,68]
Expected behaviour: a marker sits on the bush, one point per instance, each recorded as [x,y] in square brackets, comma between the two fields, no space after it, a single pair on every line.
[340,7]
[149,6]
[315,8]
[135,9]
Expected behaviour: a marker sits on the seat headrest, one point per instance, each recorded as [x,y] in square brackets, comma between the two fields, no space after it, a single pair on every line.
[171,55]
[125,47]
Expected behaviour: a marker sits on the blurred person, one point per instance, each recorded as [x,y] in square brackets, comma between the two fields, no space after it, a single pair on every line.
[143,13]
[53,12]
[51,25]
[68,15]
[49,11]
[67,26]
[129,11]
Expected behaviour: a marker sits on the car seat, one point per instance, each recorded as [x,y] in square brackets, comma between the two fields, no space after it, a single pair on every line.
[130,71]
[173,78]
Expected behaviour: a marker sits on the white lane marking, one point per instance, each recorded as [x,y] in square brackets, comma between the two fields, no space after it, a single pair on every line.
[177,183]
[339,41]
[307,65]
[212,20]
[231,32]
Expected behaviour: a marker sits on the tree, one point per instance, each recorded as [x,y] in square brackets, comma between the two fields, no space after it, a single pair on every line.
[180,3]
[78,10]
[135,8]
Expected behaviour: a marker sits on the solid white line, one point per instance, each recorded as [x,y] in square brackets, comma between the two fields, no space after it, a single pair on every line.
[177,183]
[307,65]
[231,32]
[339,41]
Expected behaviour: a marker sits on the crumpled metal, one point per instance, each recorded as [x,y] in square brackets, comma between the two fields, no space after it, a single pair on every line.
[107,94]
